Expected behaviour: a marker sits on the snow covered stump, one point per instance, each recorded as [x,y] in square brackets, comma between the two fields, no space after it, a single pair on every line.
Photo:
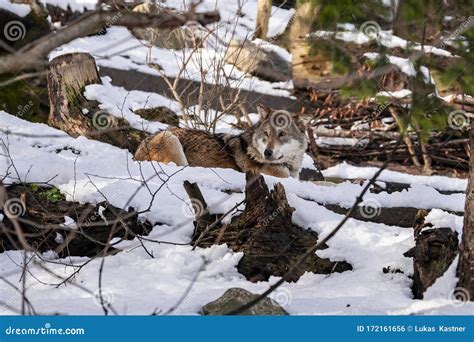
[265,233]
[432,255]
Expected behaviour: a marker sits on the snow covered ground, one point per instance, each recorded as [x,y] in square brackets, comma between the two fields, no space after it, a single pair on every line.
[119,49]
[134,282]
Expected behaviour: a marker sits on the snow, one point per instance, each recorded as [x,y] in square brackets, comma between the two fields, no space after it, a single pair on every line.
[439,298]
[160,281]
[119,49]
[69,223]
[121,103]
[20,10]
[329,141]
[399,94]
[405,65]
[74,5]
[442,219]
[85,170]
[384,38]
[345,170]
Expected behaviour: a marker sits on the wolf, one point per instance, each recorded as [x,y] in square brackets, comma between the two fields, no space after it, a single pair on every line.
[274,146]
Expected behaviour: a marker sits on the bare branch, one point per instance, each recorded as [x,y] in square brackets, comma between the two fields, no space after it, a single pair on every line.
[34,55]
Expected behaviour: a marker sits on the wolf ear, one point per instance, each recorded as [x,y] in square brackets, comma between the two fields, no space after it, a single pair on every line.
[263,111]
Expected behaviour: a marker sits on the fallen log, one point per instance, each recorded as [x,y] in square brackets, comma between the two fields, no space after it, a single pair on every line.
[396,216]
[49,223]
[266,235]
[68,75]
[369,212]
[433,253]
[388,187]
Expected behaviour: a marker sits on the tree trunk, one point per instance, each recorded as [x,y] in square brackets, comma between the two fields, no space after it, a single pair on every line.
[465,270]
[263,17]
[303,73]
[68,75]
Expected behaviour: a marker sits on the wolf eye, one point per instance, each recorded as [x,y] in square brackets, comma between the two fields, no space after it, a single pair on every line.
[281,134]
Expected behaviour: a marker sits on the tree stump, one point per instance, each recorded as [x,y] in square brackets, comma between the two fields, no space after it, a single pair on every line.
[265,233]
[68,75]
[433,253]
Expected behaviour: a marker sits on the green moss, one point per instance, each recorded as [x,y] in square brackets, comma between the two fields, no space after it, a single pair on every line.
[52,195]
[19,98]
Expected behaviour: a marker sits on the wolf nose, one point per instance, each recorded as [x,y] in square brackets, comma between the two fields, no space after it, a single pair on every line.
[268,153]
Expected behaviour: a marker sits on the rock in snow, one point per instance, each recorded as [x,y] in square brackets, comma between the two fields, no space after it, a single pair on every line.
[235,297]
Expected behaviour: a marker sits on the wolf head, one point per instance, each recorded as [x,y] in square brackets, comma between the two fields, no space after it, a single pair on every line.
[279,137]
